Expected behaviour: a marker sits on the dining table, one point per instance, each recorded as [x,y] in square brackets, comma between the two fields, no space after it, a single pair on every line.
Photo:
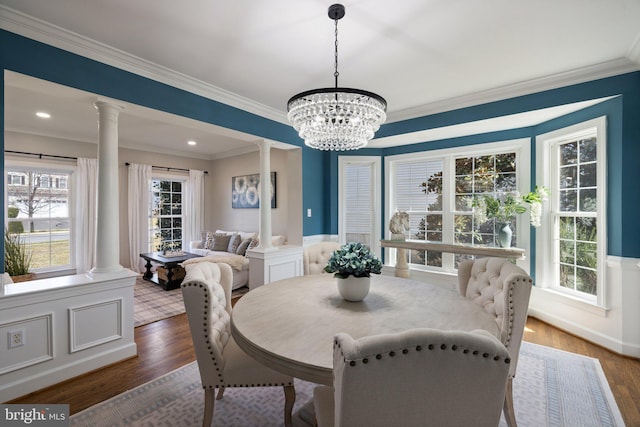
[289,325]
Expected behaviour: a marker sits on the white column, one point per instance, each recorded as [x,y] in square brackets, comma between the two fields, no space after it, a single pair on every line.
[108,230]
[265,195]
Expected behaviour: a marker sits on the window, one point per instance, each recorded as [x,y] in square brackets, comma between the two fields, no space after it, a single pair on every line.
[358,201]
[422,199]
[38,209]
[576,176]
[165,225]
[437,189]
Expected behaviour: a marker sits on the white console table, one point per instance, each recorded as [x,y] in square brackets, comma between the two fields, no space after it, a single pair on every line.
[402,268]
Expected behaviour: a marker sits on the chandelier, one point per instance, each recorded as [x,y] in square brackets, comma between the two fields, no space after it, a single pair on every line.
[336,118]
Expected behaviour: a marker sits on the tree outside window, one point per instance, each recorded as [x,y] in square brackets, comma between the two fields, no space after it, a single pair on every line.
[38,209]
[577,242]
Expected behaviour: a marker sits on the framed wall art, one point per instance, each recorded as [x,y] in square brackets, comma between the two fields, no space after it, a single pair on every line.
[245,191]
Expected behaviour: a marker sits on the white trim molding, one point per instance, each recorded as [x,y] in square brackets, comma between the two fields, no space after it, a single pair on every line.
[614,327]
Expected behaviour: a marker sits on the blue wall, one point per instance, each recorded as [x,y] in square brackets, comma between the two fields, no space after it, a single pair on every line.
[623,144]
[320,185]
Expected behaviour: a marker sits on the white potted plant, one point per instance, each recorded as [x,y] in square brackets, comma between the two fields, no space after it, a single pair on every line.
[352,266]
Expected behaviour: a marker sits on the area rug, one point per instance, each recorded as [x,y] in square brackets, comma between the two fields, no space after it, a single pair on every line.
[151,303]
[552,388]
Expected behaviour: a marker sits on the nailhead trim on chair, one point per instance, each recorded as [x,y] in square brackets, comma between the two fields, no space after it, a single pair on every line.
[392,353]
[205,325]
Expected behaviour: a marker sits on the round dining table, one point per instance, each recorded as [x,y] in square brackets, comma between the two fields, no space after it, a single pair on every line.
[289,325]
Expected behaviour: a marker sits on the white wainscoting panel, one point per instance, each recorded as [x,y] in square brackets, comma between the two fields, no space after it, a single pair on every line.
[37,338]
[94,324]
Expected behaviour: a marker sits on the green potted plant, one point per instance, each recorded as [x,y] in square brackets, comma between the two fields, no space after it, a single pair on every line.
[504,209]
[17,258]
[352,266]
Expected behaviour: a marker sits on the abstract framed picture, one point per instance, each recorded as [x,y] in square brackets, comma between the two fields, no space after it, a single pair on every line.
[245,191]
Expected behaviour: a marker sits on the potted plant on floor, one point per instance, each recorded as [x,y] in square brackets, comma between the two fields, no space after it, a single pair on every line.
[352,266]
[17,258]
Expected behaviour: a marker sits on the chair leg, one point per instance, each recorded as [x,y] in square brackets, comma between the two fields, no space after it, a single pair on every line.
[289,400]
[209,402]
[509,411]
[220,393]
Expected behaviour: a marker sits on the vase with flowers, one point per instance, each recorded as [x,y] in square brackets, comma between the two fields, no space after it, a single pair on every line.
[504,209]
[352,266]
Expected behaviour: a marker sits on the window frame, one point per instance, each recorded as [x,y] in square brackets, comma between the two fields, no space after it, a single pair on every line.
[166,177]
[547,174]
[52,167]
[522,148]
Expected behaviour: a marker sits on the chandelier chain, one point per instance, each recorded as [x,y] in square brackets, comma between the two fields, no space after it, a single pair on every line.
[336,73]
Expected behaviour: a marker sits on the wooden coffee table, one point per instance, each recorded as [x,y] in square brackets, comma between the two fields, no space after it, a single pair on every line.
[168,262]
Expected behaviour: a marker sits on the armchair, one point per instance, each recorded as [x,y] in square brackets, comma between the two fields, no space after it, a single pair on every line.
[206,289]
[503,289]
[420,377]
[316,256]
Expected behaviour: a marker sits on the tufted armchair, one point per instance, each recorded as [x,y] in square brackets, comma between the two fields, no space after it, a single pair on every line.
[316,256]
[420,377]
[206,289]
[503,289]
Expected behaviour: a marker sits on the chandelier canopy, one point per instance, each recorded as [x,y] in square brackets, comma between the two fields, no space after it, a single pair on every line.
[336,118]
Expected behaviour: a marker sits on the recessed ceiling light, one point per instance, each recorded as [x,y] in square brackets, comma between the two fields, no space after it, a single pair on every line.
[192,143]
[43,115]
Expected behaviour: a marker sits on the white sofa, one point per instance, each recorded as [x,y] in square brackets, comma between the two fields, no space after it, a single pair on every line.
[229,247]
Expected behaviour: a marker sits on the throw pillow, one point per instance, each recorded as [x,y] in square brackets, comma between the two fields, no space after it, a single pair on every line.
[234,241]
[220,242]
[208,241]
[254,243]
[242,247]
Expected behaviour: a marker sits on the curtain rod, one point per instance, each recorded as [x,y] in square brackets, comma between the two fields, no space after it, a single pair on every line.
[40,155]
[168,168]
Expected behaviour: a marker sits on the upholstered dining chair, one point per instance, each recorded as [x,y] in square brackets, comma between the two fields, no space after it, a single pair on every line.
[206,289]
[316,256]
[503,289]
[420,377]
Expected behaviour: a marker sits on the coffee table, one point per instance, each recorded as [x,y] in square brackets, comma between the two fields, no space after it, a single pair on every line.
[168,262]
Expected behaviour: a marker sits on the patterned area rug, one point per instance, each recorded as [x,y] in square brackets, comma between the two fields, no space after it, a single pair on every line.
[151,303]
[552,388]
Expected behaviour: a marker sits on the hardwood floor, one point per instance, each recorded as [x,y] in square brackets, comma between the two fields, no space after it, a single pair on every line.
[166,345]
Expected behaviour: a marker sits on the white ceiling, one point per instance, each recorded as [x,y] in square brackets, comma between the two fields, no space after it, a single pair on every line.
[423,56]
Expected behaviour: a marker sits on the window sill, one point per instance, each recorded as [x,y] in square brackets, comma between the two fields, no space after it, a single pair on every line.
[573,301]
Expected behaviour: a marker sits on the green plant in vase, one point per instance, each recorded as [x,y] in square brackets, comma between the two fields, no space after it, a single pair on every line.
[504,209]
[17,257]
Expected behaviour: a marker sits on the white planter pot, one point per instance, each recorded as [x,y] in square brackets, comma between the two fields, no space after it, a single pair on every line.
[354,288]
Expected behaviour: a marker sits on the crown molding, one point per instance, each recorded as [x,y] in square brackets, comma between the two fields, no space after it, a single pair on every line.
[634,51]
[42,31]
[580,75]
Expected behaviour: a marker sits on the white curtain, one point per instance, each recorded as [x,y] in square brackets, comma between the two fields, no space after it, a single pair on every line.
[86,215]
[138,203]
[193,208]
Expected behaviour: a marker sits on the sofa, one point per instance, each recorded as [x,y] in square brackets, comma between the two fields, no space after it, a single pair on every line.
[231,248]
